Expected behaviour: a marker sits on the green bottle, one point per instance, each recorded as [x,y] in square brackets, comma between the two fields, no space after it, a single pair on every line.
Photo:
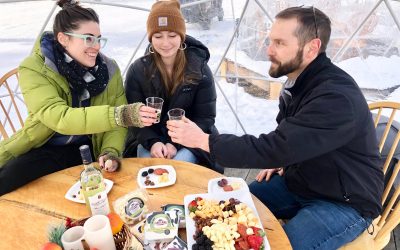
[92,183]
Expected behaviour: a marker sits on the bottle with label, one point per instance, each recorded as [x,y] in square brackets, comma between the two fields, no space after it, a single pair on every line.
[92,183]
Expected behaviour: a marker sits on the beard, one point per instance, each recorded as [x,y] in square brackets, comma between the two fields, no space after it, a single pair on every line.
[286,68]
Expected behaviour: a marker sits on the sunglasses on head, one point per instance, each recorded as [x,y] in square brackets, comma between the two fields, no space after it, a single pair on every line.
[315,18]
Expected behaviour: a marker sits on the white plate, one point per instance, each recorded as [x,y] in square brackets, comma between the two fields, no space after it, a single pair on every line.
[243,196]
[73,191]
[154,177]
[214,188]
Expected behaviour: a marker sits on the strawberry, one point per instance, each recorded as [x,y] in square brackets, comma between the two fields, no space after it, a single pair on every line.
[198,199]
[255,242]
[192,206]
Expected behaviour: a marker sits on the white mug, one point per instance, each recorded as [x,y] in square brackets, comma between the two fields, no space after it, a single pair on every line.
[71,239]
[98,232]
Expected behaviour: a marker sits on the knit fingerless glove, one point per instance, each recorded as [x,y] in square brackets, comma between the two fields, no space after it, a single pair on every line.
[112,157]
[128,115]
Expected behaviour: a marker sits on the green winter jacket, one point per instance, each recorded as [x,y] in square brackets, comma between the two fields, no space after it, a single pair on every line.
[48,99]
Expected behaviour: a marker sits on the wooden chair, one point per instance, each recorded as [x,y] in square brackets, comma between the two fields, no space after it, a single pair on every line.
[390,216]
[10,105]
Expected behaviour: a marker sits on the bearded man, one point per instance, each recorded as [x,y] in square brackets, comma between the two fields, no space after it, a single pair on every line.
[321,165]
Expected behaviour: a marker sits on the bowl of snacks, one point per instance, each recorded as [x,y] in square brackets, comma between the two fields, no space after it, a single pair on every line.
[156,176]
[227,184]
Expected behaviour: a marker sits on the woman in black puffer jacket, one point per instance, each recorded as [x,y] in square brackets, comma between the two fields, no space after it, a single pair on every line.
[175,69]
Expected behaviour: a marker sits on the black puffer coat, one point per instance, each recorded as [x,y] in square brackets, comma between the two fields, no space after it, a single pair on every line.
[197,96]
[325,139]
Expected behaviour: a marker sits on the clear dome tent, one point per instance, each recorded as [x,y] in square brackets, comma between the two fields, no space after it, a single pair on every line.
[365,42]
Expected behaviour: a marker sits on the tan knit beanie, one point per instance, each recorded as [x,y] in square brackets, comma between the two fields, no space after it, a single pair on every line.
[166,16]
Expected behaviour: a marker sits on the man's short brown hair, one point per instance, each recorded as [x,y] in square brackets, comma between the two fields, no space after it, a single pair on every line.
[313,23]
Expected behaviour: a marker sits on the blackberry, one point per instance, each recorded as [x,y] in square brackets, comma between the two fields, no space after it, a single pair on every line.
[202,242]
[201,239]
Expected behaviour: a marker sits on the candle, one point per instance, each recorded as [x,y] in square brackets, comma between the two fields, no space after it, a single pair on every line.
[98,233]
[71,239]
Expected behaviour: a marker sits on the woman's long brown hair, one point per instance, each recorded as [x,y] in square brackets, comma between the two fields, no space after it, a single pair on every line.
[178,71]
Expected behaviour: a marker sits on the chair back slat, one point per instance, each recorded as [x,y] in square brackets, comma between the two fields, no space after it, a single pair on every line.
[9,109]
[395,195]
[7,117]
[3,132]
[378,117]
[21,121]
[387,129]
[390,224]
[391,152]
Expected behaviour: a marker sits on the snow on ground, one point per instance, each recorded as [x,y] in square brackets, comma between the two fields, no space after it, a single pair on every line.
[374,72]
[20,24]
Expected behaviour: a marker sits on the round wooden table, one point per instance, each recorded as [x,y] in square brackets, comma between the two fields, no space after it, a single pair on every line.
[27,213]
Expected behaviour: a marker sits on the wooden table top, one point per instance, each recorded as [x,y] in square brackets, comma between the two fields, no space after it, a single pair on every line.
[27,213]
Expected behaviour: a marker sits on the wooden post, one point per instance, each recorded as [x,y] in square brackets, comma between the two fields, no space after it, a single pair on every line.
[223,68]
[274,90]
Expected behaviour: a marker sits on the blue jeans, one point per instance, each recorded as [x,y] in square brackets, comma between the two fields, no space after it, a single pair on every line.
[313,224]
[183,154]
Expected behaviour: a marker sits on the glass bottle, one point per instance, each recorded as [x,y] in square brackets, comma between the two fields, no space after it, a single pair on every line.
[92,183]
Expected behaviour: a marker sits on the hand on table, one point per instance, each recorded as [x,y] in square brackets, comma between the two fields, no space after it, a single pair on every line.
[267,173]
[109,163]
[148,115]
[171,150]
[188,134]
[159,150]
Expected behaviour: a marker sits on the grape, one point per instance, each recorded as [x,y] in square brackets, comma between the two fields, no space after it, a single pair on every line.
[144,173]
[224,181]
[150,170]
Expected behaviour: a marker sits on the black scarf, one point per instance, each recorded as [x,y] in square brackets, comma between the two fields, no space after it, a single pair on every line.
[96,77]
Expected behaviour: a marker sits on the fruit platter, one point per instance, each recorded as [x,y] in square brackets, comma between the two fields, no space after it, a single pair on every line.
[227,184]
[156,176]
[220,221]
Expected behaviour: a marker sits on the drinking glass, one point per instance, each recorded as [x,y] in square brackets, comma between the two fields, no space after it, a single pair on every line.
[176,114]
[157,103]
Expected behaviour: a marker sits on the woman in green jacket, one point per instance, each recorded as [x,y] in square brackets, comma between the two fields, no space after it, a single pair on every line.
[74,96]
